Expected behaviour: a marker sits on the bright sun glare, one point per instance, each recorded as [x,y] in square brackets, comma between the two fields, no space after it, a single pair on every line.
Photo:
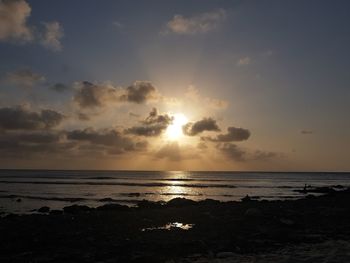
[174,131]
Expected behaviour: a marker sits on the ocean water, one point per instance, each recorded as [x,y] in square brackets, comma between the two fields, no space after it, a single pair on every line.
[21,191]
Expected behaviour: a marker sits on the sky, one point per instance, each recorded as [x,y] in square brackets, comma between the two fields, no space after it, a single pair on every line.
[175,85]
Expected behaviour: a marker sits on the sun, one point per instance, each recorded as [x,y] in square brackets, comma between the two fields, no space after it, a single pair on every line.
[174,131]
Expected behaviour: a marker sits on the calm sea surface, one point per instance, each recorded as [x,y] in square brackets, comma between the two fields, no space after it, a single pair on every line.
[24,190]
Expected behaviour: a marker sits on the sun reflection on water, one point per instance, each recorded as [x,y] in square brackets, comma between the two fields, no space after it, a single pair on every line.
[176,182]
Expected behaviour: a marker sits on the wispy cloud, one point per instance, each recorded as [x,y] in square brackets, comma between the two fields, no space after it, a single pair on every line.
[24,78]
[244,61]
[306,132]
[200,23]
[51,38]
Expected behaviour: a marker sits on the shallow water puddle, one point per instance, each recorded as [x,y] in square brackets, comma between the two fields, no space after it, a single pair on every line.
[170,226]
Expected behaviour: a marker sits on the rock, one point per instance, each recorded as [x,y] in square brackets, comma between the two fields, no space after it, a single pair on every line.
[253,212]
[180,202]
[112,207]
[56,212]
[19,200]
[107,200]
[287,222]
[246,199]
[74,209]
[148,204]
[225,255]
[44,209]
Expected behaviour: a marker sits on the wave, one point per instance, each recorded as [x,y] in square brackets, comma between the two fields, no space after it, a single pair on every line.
[121,184]
[68,199]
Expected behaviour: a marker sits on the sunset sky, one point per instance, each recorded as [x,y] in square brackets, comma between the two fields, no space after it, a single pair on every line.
[175,85]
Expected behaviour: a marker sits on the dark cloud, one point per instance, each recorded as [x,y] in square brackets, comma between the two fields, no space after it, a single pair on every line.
[206,124]
[306,132]
[232,151]
[265,155]
[30,144]
[153,125]
[83,117]
[24,78]
[236,153]
[112,140]
[60,87]
[89,95]
[140,92]
[18,118]
[39,137]
[233,135]
[174,152]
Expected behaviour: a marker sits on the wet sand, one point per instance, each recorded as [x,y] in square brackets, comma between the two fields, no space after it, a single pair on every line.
[313,229]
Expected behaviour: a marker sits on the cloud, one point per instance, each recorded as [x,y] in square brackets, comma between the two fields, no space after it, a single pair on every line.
[173,152]
[140,92]
[83,117]
[134,115]
[153,125]
[118,25]
[244,61]
[307,132]
[90,95]
[201,23]
[18,118]
[52,35]
[259,155]
[24,78]
[14,27]
[206,124]
[13,21]
[112,140]
[232,151]
[60,87]
[192,93]
[233,135]
[30,144]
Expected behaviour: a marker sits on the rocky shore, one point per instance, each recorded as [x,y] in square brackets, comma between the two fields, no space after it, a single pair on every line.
[182,230]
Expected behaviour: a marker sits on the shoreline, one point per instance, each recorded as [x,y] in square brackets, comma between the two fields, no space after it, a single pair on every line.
[173,230]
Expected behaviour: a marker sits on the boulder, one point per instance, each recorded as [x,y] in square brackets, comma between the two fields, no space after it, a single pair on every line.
[253,212]
[112,207]
[225,255]
[180,202]
[44,209]
[75,209]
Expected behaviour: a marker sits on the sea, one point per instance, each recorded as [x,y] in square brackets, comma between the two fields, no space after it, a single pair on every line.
[24,191]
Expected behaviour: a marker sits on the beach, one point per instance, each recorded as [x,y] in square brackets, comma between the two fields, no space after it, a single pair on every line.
[182,230]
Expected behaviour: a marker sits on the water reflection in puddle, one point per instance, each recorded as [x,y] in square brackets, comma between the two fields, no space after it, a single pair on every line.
[170,226]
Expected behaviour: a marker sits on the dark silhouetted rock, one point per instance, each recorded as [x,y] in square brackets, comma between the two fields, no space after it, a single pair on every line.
[253,212]
[246,198]
[112,207]
[149,204]
[287,222]
[225,255]
[19,200]
[44,209]
[56,212]
[74,209]
[107,200]
[180,202]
